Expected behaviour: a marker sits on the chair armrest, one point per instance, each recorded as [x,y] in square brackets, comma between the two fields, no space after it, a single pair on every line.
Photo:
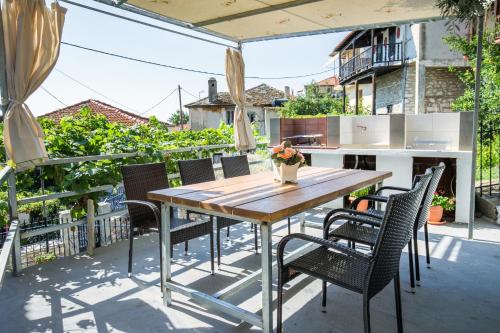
[148,204]
[359,219]
[369,197]
[320,241]
[392,188]
[349,211]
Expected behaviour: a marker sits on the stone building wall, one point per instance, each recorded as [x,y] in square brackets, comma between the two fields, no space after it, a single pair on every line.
[389,90]
[442,87]
[410,89]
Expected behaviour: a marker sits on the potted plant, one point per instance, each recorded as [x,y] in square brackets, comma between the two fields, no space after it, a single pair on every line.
[286,162]
[440,203]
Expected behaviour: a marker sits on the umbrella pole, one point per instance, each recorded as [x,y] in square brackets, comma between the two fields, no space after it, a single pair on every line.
[4,102]
[477,86]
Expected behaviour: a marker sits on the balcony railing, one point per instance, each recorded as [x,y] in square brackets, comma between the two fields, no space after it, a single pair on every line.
[373,56]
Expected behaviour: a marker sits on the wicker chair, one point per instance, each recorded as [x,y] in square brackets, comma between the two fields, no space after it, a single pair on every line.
[361,234]
[366,274]
[199,171]
[145,215]
[234,166]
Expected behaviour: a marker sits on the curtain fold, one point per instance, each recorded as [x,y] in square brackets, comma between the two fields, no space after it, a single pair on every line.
[235,77]
[32,36]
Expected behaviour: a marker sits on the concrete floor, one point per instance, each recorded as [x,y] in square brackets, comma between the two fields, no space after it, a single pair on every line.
[460,293]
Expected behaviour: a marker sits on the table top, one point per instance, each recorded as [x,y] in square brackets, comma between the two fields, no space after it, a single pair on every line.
[259,197]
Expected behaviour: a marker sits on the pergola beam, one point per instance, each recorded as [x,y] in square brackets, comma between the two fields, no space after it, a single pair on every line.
[253,12]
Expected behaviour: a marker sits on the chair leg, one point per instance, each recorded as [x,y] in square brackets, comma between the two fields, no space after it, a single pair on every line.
[417,264]
[186,247]
[410,264]
[256,239]
[427,253]
[279,310]
[366,314]
[130,249]
[218,246]
[251,226]
[212,252]
[227,233]
[399,311]
[323,297]
[289,227]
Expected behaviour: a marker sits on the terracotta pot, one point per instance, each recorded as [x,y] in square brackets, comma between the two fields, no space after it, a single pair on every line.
[286,173]
[436,215]
[362,206]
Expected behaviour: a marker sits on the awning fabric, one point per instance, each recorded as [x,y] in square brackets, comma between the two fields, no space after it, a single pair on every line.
[32,35]
[249,20]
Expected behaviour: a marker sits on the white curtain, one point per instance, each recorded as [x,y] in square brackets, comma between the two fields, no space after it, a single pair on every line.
[32,36]
[235,77]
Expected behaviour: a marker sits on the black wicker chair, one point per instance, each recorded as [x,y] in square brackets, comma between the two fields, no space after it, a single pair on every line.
[145,215]
[362,234]
[234,166]
[199,171]
[367,232]
[366,274]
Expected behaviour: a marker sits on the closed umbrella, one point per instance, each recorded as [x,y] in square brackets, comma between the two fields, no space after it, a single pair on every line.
[32,35]
[235,77]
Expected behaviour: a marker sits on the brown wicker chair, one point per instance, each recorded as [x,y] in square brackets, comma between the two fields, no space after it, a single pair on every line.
[235,166]
[145,215]
[199,171]
[366,274]
[368,235]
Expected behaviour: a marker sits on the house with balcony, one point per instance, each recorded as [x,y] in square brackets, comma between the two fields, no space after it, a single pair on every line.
[399,69]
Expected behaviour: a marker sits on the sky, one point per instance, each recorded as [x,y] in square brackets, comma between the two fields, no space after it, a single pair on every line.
[136,87]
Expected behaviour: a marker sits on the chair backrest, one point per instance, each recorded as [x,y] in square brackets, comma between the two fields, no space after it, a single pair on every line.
[138,180]
[235,166]
[400,215]
[437,172]
[196,171]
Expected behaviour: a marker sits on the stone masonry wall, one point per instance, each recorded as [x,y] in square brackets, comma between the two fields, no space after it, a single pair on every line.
[442,87]
[388,91]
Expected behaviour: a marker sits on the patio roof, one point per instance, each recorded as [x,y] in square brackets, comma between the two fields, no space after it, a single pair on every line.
[254,20]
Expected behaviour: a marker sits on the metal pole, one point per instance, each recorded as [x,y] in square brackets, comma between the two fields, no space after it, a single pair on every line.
[181,115]
[4,93]
[477,86]
[12,197]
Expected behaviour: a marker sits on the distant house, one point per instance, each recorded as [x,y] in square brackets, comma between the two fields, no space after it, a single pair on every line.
[328,85]
[112,113]
[218,107]
[399,69]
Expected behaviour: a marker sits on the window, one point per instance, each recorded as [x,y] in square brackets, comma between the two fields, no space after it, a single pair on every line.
[230,115]
[252,117]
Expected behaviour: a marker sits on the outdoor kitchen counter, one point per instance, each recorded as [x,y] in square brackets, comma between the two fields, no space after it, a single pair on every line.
[400,163]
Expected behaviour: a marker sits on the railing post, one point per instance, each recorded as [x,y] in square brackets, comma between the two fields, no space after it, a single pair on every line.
[90,227]
[12,197]
[200,153]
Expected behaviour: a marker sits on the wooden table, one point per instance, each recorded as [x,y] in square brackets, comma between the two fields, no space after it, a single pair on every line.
[257,199]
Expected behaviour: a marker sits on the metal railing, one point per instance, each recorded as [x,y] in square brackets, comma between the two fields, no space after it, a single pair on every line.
[373,56]
[488,169]
[29,243]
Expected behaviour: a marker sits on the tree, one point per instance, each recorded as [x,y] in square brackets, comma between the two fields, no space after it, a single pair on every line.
[490,76]
[175,118]
[314,103]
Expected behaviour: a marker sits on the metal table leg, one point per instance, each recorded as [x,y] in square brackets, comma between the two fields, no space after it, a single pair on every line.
[166,273]
[267,278]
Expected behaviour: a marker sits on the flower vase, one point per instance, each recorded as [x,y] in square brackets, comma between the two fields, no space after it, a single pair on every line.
[286,173]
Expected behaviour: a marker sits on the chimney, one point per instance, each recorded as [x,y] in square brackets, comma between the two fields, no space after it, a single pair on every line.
[287,92]
[212,90]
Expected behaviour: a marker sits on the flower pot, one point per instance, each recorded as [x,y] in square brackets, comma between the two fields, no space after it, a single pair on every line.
[362,206]
[286,173]
[436,215]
